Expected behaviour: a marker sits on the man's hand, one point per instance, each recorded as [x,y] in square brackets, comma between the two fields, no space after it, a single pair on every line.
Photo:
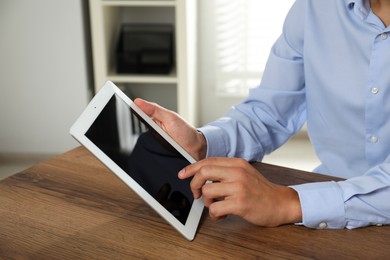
[239,189]
[236,188]
[184,134]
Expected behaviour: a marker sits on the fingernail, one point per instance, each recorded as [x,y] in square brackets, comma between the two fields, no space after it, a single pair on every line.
[181,174]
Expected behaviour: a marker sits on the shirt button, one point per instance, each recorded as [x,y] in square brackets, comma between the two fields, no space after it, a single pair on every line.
[373,139]
[322,225]
[384,36]
[374,90]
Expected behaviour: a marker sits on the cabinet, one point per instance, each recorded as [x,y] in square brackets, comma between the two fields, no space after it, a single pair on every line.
[176,90]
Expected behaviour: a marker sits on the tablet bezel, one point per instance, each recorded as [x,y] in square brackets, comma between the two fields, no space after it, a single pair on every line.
[88,117]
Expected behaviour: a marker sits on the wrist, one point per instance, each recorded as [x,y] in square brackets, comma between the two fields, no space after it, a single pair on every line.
[294,210]
[201,146]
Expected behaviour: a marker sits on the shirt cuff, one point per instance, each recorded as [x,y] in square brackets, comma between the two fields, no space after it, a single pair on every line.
[215,138]
[322,205]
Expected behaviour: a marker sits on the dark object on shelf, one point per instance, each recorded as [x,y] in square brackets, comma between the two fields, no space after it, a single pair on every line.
[145,49]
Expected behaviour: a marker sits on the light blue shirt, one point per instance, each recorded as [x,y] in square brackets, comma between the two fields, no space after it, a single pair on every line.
[331,69]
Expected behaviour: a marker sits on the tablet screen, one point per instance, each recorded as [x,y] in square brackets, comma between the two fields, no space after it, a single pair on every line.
[144,155]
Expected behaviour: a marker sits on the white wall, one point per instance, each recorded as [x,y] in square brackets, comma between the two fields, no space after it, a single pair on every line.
[43,74]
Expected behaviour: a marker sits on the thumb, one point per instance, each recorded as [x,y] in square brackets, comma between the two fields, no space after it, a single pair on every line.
[155,111]
[151,109]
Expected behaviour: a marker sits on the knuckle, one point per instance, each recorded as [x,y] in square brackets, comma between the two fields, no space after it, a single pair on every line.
[205,191]
[206,202]
[240,202]
[202,173]
[241,162]
[241,179]
[240,188]
[239,209]
[213,211]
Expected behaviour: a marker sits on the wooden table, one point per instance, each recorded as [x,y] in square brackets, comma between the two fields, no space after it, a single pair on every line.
[72,207]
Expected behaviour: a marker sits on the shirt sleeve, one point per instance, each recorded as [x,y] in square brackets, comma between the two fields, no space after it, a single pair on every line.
[353,203]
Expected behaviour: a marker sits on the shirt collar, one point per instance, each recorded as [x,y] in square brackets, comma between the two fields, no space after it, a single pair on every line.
[361,7]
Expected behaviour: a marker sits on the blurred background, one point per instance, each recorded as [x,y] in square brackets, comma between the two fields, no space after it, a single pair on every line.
[50,67]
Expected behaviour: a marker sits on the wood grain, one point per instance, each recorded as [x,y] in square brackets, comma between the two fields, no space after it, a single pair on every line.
[72,207]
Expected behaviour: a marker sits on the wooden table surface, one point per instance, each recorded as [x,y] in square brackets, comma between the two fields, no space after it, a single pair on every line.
[72,207]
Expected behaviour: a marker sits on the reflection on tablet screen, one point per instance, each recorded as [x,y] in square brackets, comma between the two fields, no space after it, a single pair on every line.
[144,155]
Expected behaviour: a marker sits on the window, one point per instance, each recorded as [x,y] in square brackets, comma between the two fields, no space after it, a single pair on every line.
[244,33]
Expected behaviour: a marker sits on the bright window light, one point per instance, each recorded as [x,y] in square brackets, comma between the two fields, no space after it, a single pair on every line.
[244,33]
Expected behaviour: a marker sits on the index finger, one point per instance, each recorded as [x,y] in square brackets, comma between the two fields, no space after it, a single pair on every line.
[212,169]
[192,169]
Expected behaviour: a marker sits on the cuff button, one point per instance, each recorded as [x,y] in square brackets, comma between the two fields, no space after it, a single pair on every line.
[322,225]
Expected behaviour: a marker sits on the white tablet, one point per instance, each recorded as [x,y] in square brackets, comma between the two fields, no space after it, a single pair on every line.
[141,154]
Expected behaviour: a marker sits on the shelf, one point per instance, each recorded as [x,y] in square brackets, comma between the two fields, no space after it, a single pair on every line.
[143,78]
[139,3]
[176,90]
